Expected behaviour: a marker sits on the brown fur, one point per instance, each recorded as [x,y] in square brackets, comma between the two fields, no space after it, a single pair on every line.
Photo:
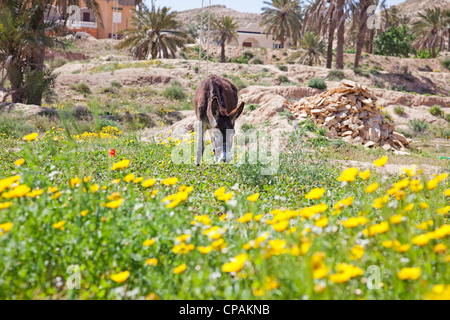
[215,103]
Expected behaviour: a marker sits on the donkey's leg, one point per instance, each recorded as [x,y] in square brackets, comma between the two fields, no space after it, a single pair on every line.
[200,142]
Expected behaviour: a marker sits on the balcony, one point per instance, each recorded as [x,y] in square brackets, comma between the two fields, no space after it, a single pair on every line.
[77,24]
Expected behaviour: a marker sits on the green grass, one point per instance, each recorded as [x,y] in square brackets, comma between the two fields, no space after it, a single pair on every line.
[317,83]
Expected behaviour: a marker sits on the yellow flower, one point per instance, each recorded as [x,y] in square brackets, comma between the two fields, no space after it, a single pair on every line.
[396,219]
[151,262]
[253,197]
[440,248]
[315,194]
[18,192]
[180,269]
[271,283]
[424,205]
[354,222]
[236,264]
[409,273]
[120,277]
[281,226]
[409,207]
[258,217]
[114,196]
[321,222]
[94,188]
[364,174]
[382,227]
[5,205]
[59,225]
[380,202]
[371,188]
[432,184]
[148,183]
[205,250]
[356,252]
[421,240]
[447,192]
[129,177]
[84,213]
[245,218]
[169,181]
[138,180]
[121,165]
[31,137]
[19,162]
[443,210]
[381,162]
[51,190]
[35,193]
[258,292]
[75,182]
[56,195]
[348,175]
[114,204]
[87,179]
[5,227]
[149,242]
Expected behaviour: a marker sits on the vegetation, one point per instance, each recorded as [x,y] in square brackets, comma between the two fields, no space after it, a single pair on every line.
[430,28]
[282,19]
[399,110]
[149,37]
[314,48]
[318,83]
[226,30]
[395,41]
[436,110]
[175,91]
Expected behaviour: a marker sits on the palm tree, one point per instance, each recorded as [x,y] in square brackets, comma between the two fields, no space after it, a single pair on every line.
[314,48]
[446,14]
[429,27]
[340,18]
[282,20]
[362,29]
[23,39]
[226,30]
[156,32]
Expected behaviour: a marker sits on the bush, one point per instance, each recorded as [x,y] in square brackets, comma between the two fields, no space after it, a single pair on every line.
[395,41]
[81,87]
[425,54]
[336,75]
[257,61]
[399,110]
[57,62]
[435,110]
[239,82]
[446,63]
[447,117]
[175,91]
[282,68]
[418,125]
[252,107]
[116,84]
[105,122]
[283,79]
[317,83]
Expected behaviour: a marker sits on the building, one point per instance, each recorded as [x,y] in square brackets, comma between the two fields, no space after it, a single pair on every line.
[116,16]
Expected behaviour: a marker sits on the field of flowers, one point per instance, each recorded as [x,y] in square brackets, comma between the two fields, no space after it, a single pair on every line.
[139,226]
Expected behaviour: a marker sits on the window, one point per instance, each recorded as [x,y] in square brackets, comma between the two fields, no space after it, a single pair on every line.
[86,16]
[117,17]
[247,44]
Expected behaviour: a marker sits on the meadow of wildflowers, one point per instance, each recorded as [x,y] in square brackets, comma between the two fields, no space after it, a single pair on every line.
[136,226]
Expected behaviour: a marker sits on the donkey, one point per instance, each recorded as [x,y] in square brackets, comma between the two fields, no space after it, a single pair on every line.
[215,103]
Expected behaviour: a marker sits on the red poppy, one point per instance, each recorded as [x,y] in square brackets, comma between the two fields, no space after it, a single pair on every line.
[112,153]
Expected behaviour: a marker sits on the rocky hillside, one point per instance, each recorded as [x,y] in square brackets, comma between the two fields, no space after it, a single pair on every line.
[220,10]
[410,8]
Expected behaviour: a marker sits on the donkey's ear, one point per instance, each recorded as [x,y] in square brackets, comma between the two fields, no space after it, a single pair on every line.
[237,112]
[215,108]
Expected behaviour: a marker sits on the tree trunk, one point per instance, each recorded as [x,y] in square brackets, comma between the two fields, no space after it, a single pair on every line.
[222,51]
[448,31]
[282,42]
[340,35]
[433,44]
[15,77]
[361,31]
[370,42]
[330,39]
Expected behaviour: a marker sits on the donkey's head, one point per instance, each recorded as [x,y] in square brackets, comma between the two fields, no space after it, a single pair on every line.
[223,130]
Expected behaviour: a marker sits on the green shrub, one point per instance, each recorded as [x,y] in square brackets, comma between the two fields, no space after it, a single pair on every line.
[395,41]
[175,91]
[387,116]
[336,75]
[447,117]
[399,110]
[81,87]
[425,54]
[105,122]
[446,63]
[317,83]
[252,107]
[283,79]
[239,82]
[418,125]
[57,62]
[246,126]
[282,68]
[116,84]
[435,110]
[257,61]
